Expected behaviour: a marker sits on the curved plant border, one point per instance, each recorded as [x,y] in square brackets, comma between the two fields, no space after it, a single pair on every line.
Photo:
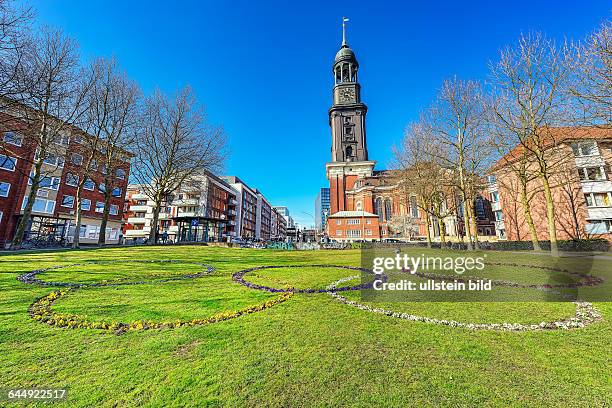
[31,277]
[41,311]
[239,277]
[585,315]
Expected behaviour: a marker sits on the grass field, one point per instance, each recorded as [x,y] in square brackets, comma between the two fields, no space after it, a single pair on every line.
[310,350]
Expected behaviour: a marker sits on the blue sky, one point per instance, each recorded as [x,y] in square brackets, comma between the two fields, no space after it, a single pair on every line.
[263,68]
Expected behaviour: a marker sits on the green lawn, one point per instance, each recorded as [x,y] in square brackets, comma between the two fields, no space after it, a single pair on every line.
[310,350]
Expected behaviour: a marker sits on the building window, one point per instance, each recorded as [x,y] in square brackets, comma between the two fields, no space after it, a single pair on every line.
[99,207]
[353,233]
[7,163]
[494,197]
[64,140]
[86,204]
[368,221]
[51,183]
[387,209]
[338,222]
[89,185]
[72,179]
[378,208]
[491,179]
[4,189]
[67,201]
[78,139]
[114,209]
[76,159]
[102,188]
[598,199]
[587,148]
[54,160]
[42,193]
[499,216]
[353,221]
[591,173]
[13,138]
[358,206]
[413,207]
[40,205]
[116,192]
[368,231]
[349,152]
[338,233]
[103,169]
[120,173]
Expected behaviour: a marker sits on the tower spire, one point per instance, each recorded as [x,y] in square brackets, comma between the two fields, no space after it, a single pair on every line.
[344,20]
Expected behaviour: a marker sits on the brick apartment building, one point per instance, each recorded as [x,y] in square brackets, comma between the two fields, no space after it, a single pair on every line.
[581,184]
[54,206]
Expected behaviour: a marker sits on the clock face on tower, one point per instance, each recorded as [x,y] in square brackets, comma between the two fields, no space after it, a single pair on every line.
[346,95]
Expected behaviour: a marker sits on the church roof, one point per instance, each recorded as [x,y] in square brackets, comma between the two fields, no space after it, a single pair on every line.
[345,53]
[342,214]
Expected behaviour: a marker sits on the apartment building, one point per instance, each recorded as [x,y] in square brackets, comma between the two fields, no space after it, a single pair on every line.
[581,184]
[202,210]
[263,218]
[53,211]
[246,208]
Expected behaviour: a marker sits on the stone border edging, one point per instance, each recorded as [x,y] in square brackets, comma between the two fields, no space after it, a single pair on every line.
[585,315]
[30,277]
[239,277]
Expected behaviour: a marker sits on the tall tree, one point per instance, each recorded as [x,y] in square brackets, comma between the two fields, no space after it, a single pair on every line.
[458,126]
[529,84]
[174,144]
[14,36]
[109,123]
[592,86]
[53,91]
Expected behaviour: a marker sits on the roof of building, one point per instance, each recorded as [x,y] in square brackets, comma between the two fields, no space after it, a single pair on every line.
[345,54]
[551,137]
[353,214]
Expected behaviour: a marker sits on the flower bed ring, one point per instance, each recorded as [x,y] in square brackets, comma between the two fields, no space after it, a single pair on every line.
[32,279]
[239,277]
[41,311]
[585,314]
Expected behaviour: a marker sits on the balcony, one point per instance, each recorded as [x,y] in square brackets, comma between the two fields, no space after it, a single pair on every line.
[599,213]
[496,206]
[232,212]
[499,225]
[136,220]
[163,216]
[232,201]
[139,196]
[189,202]
[602,186]
[231,222]
[136,233]
[139,208]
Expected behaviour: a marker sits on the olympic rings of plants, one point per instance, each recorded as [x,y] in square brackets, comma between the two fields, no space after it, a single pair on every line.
[41,310]
[239,277]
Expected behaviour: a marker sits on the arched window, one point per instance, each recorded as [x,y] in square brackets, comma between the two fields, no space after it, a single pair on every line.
[387,209]
[378,208]
[349,152]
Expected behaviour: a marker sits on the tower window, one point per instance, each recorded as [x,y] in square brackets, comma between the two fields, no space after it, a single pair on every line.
[349,152]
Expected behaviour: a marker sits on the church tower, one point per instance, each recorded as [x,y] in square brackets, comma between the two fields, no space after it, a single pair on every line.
[347,117]
[347,114]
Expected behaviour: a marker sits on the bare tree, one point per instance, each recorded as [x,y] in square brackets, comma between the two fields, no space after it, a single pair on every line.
[529,83]
[14,36]
[420,175]
[53,94]
[457,124]
[109,125]
[174,144]
[592,86]
[405,225]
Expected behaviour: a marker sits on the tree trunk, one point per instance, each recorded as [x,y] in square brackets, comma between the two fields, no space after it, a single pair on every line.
[24,222]
[427,225]
[529,219]
[475,224]
[154,222]
[76,236]
[104,222]
[466,222]
[442,233]
[550,215]
[574,213]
